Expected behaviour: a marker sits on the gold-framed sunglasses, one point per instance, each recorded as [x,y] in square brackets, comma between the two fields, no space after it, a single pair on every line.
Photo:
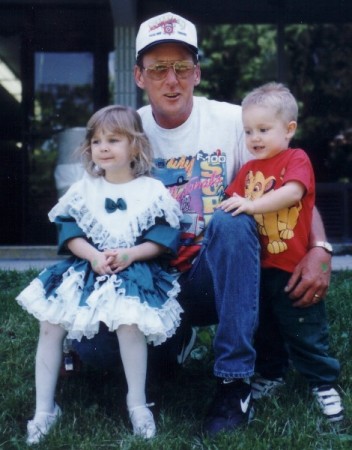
[159,71]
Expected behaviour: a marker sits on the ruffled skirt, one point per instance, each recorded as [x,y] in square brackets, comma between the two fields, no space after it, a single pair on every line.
[70,294]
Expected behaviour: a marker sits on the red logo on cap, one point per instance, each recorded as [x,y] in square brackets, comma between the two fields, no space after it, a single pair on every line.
[167,25]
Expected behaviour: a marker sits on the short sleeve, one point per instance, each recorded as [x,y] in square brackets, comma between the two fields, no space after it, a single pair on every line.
[164,235]
[67,229]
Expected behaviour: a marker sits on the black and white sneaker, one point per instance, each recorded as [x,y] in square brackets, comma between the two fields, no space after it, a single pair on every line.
[187,344]
[329,402]
[231,408]
[265,387]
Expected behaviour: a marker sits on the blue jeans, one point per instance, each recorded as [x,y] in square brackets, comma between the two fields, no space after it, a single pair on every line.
[223,287]
[297,334]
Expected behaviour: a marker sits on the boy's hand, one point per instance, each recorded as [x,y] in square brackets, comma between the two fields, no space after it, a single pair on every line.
[238,205]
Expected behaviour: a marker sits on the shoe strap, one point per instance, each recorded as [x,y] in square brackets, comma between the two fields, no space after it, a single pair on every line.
[146,405]
[43,416]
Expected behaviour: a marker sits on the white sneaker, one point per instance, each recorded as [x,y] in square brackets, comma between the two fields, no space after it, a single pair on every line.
[41,425]
[329,402]
[263,387]
[142,421]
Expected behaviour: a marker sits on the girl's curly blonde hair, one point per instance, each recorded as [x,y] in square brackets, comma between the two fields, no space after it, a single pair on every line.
[126,122]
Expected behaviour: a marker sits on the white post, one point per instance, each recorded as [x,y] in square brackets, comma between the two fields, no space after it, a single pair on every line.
[125,16]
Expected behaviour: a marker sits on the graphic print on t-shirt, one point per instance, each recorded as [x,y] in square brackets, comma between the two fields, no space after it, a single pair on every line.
[197,183]
[277,226]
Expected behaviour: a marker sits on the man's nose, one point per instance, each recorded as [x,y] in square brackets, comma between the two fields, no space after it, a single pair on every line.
[171,75]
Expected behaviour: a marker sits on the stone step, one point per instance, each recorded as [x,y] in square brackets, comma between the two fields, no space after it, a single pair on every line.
[29,252]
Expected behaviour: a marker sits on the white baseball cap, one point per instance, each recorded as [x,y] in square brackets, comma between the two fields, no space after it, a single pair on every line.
[166,28]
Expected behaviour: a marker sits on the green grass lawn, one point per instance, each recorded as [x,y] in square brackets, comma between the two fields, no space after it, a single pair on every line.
[94,402]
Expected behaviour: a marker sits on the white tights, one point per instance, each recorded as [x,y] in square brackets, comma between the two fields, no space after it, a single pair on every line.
[47,365]
[133,349]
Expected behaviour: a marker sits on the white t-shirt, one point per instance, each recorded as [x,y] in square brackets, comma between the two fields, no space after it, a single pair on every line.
[198,159]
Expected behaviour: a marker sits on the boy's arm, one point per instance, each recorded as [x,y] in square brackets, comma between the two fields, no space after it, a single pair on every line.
[284,197]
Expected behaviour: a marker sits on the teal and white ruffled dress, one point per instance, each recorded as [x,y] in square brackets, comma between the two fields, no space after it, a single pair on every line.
[72,295]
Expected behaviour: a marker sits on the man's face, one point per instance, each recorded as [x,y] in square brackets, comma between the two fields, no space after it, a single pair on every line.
[171,98]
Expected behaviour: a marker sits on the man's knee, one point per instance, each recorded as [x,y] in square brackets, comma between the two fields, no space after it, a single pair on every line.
[242,226]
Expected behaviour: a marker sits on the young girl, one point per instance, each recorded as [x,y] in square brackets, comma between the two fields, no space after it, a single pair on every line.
[115,222]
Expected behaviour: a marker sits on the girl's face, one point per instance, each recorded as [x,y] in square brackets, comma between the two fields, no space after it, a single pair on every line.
[112,152]
[266,133]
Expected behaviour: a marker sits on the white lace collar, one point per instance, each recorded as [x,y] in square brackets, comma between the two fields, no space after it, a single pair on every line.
[146,199]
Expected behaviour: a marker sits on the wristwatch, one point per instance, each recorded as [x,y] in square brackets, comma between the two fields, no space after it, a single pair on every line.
[325,245]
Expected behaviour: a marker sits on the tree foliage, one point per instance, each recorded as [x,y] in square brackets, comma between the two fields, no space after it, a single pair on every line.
[318,61]
[236,58]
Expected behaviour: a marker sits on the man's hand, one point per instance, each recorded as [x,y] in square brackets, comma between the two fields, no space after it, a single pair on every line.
[310,280]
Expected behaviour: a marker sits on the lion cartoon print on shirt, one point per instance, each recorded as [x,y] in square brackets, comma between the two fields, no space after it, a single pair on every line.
[276,225]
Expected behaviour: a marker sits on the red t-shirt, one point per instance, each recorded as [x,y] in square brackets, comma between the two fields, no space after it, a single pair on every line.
[284,234]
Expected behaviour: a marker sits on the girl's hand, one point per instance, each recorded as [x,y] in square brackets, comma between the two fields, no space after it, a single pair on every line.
[238,205]
[101,263]
[98,260]
[120,259]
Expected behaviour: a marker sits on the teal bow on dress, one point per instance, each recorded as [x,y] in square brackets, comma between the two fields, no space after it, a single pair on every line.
[112,206]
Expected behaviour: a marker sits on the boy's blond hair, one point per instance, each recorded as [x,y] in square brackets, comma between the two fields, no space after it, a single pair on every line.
[276,96]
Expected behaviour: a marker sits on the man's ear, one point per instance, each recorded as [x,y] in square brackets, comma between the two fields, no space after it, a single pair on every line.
[138,77]
[197,75]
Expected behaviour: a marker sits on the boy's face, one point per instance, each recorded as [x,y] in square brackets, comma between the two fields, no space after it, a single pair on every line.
[266,133]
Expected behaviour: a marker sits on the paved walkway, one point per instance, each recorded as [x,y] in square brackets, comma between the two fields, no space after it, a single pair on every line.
[343,262]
